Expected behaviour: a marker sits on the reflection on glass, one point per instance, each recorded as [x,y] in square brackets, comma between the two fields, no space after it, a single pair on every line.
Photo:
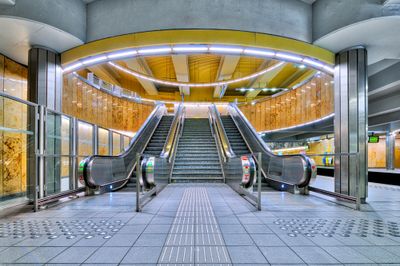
[103,142]
[58,163]
[16,142]
[126,142]
[116,138]
[85,142]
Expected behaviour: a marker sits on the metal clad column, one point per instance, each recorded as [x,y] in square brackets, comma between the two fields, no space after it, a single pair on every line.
[390,152]
[45,78]
[45,89]
[351,121]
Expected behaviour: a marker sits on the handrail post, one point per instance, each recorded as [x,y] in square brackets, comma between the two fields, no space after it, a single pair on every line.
[259,181]
[358,197]
[138,170]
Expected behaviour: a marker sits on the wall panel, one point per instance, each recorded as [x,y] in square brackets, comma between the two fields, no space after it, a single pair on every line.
[309,102]
[85,102]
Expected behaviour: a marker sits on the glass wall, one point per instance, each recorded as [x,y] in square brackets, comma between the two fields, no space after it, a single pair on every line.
[85,143]
[103,141]
[58,177]
[116,143]
[17,138]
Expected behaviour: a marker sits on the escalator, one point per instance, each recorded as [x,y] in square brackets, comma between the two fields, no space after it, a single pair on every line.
[155,138]
[238,137]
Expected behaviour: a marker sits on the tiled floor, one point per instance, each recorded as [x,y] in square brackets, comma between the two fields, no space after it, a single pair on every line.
[206,224]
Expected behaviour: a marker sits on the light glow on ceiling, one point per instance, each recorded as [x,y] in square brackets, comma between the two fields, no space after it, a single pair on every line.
[200,49]
[188,84]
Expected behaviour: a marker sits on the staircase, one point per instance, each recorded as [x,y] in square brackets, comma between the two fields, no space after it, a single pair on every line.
[197,156]
[155,145]
[236,140]
[157,141]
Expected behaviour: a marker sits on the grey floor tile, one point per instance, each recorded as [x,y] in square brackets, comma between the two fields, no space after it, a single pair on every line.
[378,254]
[157,229]
[246,254]
[232,229]
[238,240]
[33,242]
[280,255]
[74,255]
[151,240]
[209,240]
[62,241]
[314,255]
[41,255]
[347,255]
[132,229]
[142,255]
[267,240]
[122,240]
[180,240]
[297,240]
[93,241]
[108,255]
[11,254]
[257,228]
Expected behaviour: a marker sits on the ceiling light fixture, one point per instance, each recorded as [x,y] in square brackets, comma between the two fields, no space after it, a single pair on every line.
[122,54]
[203,48]
[93,60]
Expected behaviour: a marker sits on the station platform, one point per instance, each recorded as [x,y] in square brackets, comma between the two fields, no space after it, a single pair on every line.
[201,224]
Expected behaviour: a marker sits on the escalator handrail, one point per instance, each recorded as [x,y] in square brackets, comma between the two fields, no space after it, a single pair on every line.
[168,145]
[309,171]
[226,146]
[159,109]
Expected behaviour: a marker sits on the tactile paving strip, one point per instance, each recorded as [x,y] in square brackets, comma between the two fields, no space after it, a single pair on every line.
[58,228]
[195,236]
[341,227]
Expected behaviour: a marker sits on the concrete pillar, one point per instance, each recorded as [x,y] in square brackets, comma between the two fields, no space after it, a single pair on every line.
[351,123]
[390,146]
[45,89]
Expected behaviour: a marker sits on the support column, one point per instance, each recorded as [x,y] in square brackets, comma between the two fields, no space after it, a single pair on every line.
[351,123]
[45,89]
[45,78]
[390,146]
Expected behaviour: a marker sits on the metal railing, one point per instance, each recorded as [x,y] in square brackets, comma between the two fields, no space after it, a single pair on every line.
[54,147]
[356,197]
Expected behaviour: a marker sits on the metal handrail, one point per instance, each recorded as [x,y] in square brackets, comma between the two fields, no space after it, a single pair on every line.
[165,153]
[309,171]
[221,131]
[221,155]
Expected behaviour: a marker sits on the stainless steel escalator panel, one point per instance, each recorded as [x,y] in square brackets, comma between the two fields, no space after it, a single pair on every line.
[296,170]
[100,170]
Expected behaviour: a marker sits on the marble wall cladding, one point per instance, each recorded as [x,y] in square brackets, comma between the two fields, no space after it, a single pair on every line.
[13,137]
[309,102]
[88,103]
[116,143]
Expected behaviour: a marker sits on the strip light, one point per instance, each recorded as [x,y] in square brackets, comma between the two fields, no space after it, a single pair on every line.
[301,125]
[188,84]
[202,48]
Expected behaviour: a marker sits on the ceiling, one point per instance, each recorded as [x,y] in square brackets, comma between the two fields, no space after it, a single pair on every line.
[18,35]
[202,68]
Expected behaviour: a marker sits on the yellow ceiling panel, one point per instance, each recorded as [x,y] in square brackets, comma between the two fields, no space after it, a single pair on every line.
[162,67]
[287,71]
[203,68]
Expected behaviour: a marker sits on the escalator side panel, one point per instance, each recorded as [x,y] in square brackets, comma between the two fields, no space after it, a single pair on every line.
[294,170]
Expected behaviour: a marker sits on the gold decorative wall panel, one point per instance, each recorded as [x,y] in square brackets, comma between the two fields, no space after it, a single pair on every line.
[86,102]
[309,102]
[13,117]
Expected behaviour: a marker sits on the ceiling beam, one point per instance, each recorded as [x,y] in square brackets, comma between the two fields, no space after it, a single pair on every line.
[226,68]
[262,81]
[299,76]
[103,73]
[181,66]
[140,65]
